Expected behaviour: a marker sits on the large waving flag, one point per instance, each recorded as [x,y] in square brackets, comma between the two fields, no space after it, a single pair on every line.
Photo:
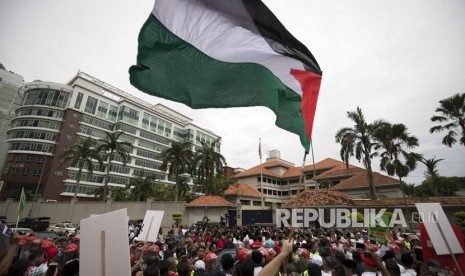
[228,53]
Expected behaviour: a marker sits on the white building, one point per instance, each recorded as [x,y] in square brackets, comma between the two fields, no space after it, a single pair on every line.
[52,114]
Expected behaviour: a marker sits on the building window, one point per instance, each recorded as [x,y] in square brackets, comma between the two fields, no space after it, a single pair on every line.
[41,159]
[78,102]
[91,105]
[18,158]
[102,109]
[257,203]
[58,173]
[36,173]
[245,202]
[128,115]
[25,172]
[113,113]
[28,158]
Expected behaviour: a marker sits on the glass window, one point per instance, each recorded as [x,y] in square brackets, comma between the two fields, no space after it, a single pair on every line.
[113,113]
[102,109]
[128,115]
[78,102]
[91,105]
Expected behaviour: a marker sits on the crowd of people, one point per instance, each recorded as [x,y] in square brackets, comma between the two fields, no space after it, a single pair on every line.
[221,250]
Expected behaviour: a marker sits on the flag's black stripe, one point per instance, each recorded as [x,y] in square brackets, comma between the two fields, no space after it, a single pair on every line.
[279,39]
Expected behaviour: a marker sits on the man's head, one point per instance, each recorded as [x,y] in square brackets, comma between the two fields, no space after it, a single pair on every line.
[201,252]
[36,257]
[407,259]
[227,262]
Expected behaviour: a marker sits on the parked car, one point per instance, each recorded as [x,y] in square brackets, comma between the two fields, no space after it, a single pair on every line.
[63,226]
[3,219]
[36,224]
[46,235]
[22,231]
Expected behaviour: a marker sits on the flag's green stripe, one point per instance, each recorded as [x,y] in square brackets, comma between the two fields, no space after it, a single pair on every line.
[170,68]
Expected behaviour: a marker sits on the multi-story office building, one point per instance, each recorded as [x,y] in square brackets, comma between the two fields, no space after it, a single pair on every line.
[10,100]
[53,115]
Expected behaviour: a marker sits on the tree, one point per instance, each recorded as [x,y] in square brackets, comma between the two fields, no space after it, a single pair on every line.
[432,174]
[448,187]
[141,186]
[81,154]
[452,119]
[393,140]
[207,161]
[219,184]
[177,160]
[115,147]
[359,141]
[408,189]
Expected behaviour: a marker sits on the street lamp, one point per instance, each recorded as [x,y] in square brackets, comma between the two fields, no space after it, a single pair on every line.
[38,184]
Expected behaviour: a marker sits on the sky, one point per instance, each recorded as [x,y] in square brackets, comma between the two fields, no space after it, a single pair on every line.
[394,59]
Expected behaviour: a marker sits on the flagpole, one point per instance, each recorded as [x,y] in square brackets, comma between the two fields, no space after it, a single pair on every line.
[302,175]
[314,178]
[261,170]
[22,203]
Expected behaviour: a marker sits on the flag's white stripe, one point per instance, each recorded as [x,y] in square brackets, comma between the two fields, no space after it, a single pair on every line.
[222,36]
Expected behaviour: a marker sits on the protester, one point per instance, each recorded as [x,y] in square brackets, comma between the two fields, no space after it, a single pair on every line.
[215,250]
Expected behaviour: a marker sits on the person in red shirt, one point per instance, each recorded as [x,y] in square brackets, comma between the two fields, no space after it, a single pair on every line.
[220,244]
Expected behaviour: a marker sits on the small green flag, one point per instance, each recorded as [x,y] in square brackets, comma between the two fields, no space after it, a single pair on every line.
[22,203]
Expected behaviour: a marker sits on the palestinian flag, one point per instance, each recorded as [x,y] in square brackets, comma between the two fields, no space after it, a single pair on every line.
[228,53]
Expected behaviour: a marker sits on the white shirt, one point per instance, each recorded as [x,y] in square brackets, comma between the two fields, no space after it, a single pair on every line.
[409,272]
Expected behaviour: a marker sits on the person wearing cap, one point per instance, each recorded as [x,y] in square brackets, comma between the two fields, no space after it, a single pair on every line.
[71,257]
[212,265]
[370,268]
[199,268]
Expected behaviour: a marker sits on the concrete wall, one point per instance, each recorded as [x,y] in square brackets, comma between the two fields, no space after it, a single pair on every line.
[74,212]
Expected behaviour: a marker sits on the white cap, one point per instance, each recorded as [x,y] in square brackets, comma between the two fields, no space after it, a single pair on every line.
[317,259]
[199,265]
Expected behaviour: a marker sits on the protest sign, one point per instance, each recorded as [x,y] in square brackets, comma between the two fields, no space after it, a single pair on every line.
[104,246]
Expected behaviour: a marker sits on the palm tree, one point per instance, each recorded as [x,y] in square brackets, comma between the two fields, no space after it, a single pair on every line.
[81,154]
[394,139]
[409,189]
[452,112]
[177,160]
[115,147]
[142,186]
[207,161]
[359,141]
[432,173]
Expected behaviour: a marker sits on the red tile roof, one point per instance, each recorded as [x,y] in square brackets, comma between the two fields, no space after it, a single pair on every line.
[256,171]
[353,177]
[360,180]
[240,189]
[310,198]
[211,201]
